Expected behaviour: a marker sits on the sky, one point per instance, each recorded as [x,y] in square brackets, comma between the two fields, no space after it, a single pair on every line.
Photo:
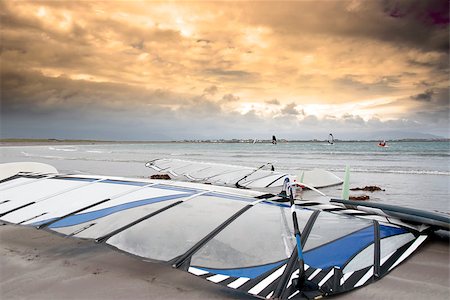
[131,70]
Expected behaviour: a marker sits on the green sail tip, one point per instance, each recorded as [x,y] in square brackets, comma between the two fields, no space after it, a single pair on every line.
[346,186]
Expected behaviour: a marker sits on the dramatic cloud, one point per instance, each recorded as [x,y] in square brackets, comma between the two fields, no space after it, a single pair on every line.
[291,109]
[212,90]
[273,102]
[170,70]
[425,96]
[230,98]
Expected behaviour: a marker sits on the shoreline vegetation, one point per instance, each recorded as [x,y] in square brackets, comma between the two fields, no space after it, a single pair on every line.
[28,142]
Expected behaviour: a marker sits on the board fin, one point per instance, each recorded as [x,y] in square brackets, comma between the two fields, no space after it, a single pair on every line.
[346,185]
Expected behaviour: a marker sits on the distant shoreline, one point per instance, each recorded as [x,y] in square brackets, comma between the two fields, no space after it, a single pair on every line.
[45,142]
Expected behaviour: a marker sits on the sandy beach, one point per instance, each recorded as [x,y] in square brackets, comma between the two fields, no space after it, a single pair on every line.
[39,265]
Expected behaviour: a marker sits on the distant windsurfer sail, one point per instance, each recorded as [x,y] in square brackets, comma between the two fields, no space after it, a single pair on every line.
[274,140]
[383,144]
[330,139]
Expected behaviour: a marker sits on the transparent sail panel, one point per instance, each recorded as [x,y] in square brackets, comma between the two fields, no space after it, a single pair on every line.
[62,204]
[329,227]
[39,189]
[335,239]
[174,231]
[15,182]
[262,235]
[111,215]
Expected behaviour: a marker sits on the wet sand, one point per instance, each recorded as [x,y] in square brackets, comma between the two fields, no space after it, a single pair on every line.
[39,265]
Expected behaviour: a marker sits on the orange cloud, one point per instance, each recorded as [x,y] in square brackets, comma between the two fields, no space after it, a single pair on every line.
[315,59]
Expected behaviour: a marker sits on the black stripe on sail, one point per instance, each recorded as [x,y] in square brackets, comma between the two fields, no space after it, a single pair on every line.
[10,178]
[204,276]
[228,281]
[320,276]
[384,269]
[309,272]
[249,174]
[309,203]
[276,180]
[82,229]
[254,281]
[29,219]
[328,282]
[17,208]
[289,291]
[335,285]
[34,176]
[267,290]
[64,177]
[349,284]
[334,209]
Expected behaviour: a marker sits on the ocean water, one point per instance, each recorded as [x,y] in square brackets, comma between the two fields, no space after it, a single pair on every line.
[413,174]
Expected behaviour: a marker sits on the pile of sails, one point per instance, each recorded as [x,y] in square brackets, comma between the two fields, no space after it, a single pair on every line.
[227,236]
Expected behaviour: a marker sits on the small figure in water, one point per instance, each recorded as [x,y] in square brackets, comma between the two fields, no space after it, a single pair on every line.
[274,140]
[330,139]
[382,143]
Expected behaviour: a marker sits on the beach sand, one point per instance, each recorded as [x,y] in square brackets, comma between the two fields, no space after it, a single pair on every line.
[36,264]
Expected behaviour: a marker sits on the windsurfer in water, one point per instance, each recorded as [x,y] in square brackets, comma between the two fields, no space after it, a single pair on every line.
[274,140]
[382,143]
[330,139]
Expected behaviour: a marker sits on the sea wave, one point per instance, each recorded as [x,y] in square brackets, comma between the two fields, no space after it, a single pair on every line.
[71,149]
[25,153]
[414,172]
[186,154]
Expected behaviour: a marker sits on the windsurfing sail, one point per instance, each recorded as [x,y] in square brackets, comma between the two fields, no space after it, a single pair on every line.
[383,144]
[227,236]
[263,177]
[330,139]
[274,140]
